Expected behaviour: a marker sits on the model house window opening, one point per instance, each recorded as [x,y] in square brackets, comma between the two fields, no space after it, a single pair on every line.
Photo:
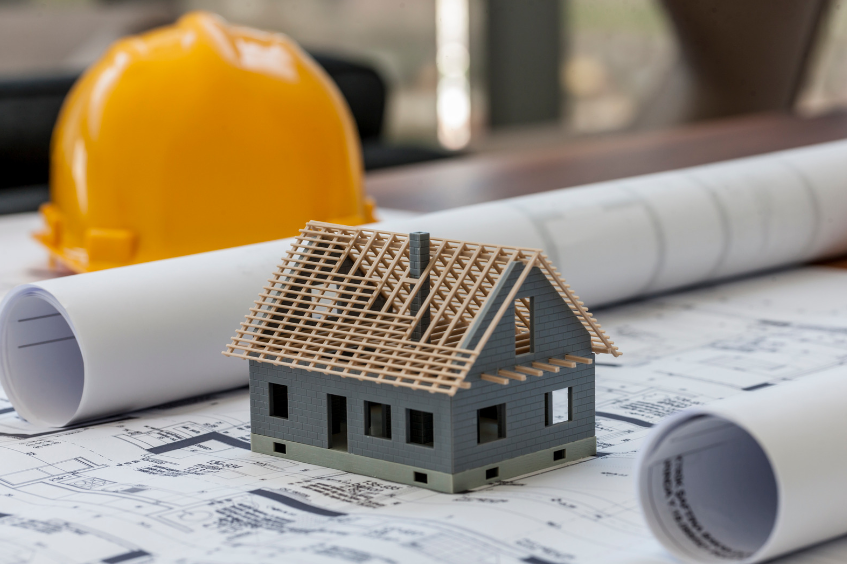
[337,412]
[491,423]
[420,428]
[524,313]
[377,420]
[278,400]
[558,406]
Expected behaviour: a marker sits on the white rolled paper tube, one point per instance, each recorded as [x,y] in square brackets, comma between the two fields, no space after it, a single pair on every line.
[750,477]
[92,345]
[107,342]
[87,346]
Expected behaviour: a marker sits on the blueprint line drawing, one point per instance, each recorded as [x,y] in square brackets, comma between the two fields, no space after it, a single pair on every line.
[73,466]
[200,439]
[178,483]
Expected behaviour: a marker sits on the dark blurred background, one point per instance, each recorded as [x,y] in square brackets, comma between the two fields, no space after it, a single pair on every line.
[433,79]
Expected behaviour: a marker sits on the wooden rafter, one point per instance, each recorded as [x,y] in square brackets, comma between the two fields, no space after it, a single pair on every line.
[340,303]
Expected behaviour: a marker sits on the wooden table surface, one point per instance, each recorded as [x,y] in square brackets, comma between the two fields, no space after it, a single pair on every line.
[492,176]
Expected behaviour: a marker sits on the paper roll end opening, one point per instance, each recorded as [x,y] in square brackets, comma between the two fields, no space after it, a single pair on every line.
[41,364]
[708,490]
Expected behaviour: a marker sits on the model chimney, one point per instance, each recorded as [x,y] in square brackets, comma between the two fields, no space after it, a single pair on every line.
[418,261]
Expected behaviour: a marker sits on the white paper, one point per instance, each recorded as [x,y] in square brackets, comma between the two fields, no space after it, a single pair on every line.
[177,483]
[750,477]
[134,330]
[133,337]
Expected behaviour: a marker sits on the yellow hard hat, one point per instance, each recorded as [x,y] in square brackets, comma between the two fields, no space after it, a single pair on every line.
[194,137]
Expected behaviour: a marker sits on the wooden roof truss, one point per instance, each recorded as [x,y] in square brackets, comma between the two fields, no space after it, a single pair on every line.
[340,303]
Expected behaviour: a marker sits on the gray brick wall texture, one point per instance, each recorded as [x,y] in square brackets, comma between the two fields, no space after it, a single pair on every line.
[307,414]
[557,332]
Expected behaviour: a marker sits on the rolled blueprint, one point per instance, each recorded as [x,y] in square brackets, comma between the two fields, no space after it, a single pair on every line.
[96,344]
[751,477]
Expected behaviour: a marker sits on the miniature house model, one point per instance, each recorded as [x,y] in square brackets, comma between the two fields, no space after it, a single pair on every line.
[431,362]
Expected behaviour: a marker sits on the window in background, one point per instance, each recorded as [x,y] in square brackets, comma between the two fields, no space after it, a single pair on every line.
[614,55]
[397,38]
[453,95]
[618,54]
[825,87]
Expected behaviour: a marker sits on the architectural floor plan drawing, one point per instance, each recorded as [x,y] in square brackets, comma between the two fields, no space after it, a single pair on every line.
[178,483]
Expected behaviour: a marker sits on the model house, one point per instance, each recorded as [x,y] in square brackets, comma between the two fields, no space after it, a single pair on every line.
[425,361]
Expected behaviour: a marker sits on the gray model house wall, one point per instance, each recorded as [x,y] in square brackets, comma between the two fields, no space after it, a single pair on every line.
[557,331]
[307,420]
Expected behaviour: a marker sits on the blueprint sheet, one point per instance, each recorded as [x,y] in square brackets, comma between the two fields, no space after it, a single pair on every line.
[178,483]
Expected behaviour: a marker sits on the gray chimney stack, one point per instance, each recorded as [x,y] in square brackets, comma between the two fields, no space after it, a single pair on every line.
[418,261]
